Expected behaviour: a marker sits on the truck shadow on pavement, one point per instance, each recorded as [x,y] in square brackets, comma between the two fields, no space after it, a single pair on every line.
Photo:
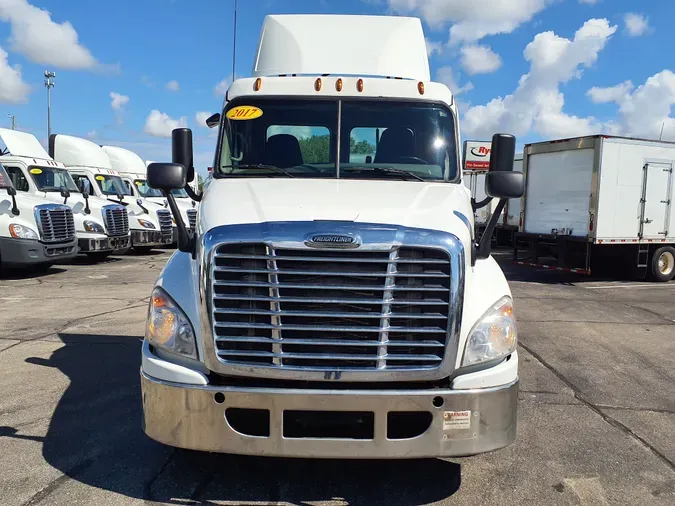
[95,438]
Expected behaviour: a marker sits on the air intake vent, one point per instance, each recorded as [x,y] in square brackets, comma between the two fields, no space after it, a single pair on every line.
[56,223]
[116,220]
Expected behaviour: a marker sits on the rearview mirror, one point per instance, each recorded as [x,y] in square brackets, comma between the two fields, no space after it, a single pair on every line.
[166,176]
[503,152]
[505,185]
[181,151]
[11,191]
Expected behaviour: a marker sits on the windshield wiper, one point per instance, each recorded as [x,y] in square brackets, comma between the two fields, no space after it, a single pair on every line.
[263,166]
[52,189]
[387,170]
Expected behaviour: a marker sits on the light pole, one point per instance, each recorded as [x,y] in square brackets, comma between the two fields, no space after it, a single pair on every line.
[49,84]
[13,118]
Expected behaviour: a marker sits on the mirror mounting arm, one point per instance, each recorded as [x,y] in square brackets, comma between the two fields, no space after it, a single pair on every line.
[192,194]
[483,245]
[480,205]
[86,202]
[186,240]
[11,191]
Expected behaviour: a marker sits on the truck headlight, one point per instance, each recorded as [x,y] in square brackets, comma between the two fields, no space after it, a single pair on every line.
[494,336]
[146,224]
[21,232]
[92,226]
[168,327]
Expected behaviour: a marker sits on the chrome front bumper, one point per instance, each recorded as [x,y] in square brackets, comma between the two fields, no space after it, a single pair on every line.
[150,238]
[116,244]
[468,422]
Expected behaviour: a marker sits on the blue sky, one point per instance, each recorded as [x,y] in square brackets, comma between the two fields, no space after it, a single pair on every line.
[574,53]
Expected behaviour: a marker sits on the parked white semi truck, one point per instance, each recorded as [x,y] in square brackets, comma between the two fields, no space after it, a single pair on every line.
[33,231]
[150,223]
[132,169]
[102,227]
[329,307]
[599,204]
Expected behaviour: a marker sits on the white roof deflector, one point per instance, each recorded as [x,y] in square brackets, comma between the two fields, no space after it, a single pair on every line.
[124,160]
[78,152]
[23,144]
[387,46]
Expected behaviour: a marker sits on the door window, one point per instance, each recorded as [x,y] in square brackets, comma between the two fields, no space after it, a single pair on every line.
[18,178]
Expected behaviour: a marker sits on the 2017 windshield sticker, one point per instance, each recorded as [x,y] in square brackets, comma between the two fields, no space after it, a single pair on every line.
[36,171]
[244,112]
[100,178]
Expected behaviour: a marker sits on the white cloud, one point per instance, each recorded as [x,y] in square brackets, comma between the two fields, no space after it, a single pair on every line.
[146,81]
[471,21]
[477,59]
[160,124]
[537,103]
[201,118]
[92,134]
[647,109]
[636,24]
[118,100]
[221,88]
[589,2]
[433,47]
[173,86]
[447,76]
[12,87]
[41,40]
[611,94]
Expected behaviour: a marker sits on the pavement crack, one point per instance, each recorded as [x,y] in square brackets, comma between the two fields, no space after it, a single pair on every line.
[649,311]
[639,410]
[54,485]
[578,394]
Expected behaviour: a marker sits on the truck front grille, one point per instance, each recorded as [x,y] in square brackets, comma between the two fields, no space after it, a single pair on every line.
[318,309]
[56,223]
[192,218]
[165,222]
[116,220]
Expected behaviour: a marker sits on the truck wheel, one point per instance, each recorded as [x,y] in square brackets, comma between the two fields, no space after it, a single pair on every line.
[663,264]
[143,250]
[98,256]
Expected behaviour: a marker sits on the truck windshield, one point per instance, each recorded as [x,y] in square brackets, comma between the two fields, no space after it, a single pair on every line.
[111,185]
[52,179]
[5,181]
[179,193]
[378,140]
[144,190]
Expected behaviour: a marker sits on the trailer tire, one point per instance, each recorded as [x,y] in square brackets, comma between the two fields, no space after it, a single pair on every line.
[662,266]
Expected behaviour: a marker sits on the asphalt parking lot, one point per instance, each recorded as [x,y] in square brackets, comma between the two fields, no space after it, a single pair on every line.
[596,412]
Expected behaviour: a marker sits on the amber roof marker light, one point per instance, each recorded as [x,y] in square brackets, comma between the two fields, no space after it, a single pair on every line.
[317,84]
[420,87]
[359,85]
[257,84]
[338,84]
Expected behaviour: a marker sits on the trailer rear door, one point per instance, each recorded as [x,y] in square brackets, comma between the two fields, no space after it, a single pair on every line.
[656,191]
[558,191]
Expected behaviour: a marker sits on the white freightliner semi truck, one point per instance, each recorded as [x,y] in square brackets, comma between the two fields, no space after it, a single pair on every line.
[101,226]
[132,170]
[34,232]
[599,204]
[330,305]
[150,223]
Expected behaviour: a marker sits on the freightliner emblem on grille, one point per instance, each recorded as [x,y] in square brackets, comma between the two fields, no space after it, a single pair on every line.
[332,241]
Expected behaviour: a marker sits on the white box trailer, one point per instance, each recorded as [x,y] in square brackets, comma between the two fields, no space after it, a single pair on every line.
[509,221]
[599,201]
[476,162]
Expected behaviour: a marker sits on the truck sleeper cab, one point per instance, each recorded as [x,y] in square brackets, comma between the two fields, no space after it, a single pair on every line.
[33,231]
[101,227]
[132,170]
[333,302]
[149,223]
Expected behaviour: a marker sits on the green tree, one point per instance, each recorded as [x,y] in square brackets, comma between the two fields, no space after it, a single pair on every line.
[315,149]
[361,147]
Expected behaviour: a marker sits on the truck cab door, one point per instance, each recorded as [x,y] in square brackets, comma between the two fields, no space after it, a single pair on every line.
[657,193]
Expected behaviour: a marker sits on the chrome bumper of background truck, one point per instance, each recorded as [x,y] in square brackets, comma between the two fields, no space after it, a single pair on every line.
[102,245]
[150,238]
[468,422]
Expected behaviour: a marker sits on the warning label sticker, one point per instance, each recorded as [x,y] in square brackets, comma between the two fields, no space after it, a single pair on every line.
[456,420]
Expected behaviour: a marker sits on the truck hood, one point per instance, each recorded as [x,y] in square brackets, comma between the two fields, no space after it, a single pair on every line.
[407,203]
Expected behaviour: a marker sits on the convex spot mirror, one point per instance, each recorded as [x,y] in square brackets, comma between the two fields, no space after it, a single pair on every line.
[182,153]
[167,176]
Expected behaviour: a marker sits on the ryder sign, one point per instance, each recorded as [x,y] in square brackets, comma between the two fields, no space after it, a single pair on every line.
[477,155]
